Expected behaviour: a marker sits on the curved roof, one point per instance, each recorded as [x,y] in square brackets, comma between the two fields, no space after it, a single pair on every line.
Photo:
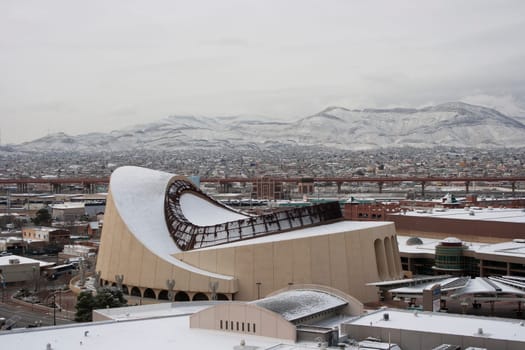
[202,212]
[138,194]
[296,304]
[414,241]
[195,220]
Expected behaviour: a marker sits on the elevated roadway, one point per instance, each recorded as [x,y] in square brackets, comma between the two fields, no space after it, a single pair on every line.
[89,182]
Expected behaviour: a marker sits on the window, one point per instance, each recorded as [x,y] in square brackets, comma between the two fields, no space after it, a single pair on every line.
[248,327]
[237,325]
[221,324]
[254,328]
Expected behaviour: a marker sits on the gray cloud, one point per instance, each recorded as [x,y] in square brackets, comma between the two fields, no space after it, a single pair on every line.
[103,65]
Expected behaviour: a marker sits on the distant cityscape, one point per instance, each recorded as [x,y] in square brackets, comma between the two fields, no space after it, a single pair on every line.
[281,161]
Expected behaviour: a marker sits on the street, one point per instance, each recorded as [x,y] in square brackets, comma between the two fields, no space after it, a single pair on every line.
[30,315]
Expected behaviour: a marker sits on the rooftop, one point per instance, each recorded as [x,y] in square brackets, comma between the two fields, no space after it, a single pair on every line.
[4,260]
[485,214]
[515,247]
[495,328]
[296,304]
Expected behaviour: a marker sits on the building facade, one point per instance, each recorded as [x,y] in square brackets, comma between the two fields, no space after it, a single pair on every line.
[160,229]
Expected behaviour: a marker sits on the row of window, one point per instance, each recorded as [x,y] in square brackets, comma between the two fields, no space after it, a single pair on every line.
[246,327]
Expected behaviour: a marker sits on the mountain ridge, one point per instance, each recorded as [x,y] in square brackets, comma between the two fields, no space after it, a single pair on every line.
[453,123]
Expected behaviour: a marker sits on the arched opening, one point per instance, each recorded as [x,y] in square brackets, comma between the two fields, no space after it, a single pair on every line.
[182,296]
[397,257]
[106,282]
[163,295]
[390,257]
[149,293]
[381,263]
[200,297]
[135,292]
[221,296]
[113,284]
[125,289]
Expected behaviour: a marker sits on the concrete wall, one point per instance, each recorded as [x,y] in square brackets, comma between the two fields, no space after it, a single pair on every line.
[121,253]
[345,261]
[20,272]
[245,318]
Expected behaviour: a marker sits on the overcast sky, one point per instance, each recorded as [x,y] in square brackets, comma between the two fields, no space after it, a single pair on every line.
[84,66]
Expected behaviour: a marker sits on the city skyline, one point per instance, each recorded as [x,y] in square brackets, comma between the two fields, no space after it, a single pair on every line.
[105,66]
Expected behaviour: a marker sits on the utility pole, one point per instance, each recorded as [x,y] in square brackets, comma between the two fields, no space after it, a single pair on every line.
[54,309]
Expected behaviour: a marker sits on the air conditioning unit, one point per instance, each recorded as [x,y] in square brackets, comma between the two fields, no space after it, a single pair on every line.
[14,261]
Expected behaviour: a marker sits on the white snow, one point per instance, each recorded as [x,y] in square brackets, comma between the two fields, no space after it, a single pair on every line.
[4,260]
[495,328]
[155,333]
[68,205]
[480,286]
[295,304]
[499,214]
[510,248]
[201,212]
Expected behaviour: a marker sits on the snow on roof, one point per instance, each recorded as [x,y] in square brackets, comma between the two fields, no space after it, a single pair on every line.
[166,309]
[418,288]
[462,325]
[451,240]
[202,212]
[153,333]
[68,205]
[295,304]
[480,285]
[139,194]
[509,248]
[488,214]
[4,260]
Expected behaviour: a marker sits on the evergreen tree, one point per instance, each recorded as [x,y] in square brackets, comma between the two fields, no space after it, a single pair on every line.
[42,218]
[85,304]
[105,298]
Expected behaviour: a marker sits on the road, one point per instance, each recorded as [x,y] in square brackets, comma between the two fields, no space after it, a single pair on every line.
[27,315]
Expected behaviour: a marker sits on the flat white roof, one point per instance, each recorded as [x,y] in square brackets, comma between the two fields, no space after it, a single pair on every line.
[4,260]
[154,333]
[510,248]
[485,214]
[69,205]
[435,322]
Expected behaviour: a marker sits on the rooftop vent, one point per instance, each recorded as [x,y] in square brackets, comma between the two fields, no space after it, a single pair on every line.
[14,261]
[480,331]
[386,316]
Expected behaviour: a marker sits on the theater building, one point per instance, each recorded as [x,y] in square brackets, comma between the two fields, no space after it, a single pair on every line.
[165,237]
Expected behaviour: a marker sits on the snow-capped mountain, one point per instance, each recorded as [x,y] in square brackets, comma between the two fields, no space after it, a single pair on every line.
[450,124]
